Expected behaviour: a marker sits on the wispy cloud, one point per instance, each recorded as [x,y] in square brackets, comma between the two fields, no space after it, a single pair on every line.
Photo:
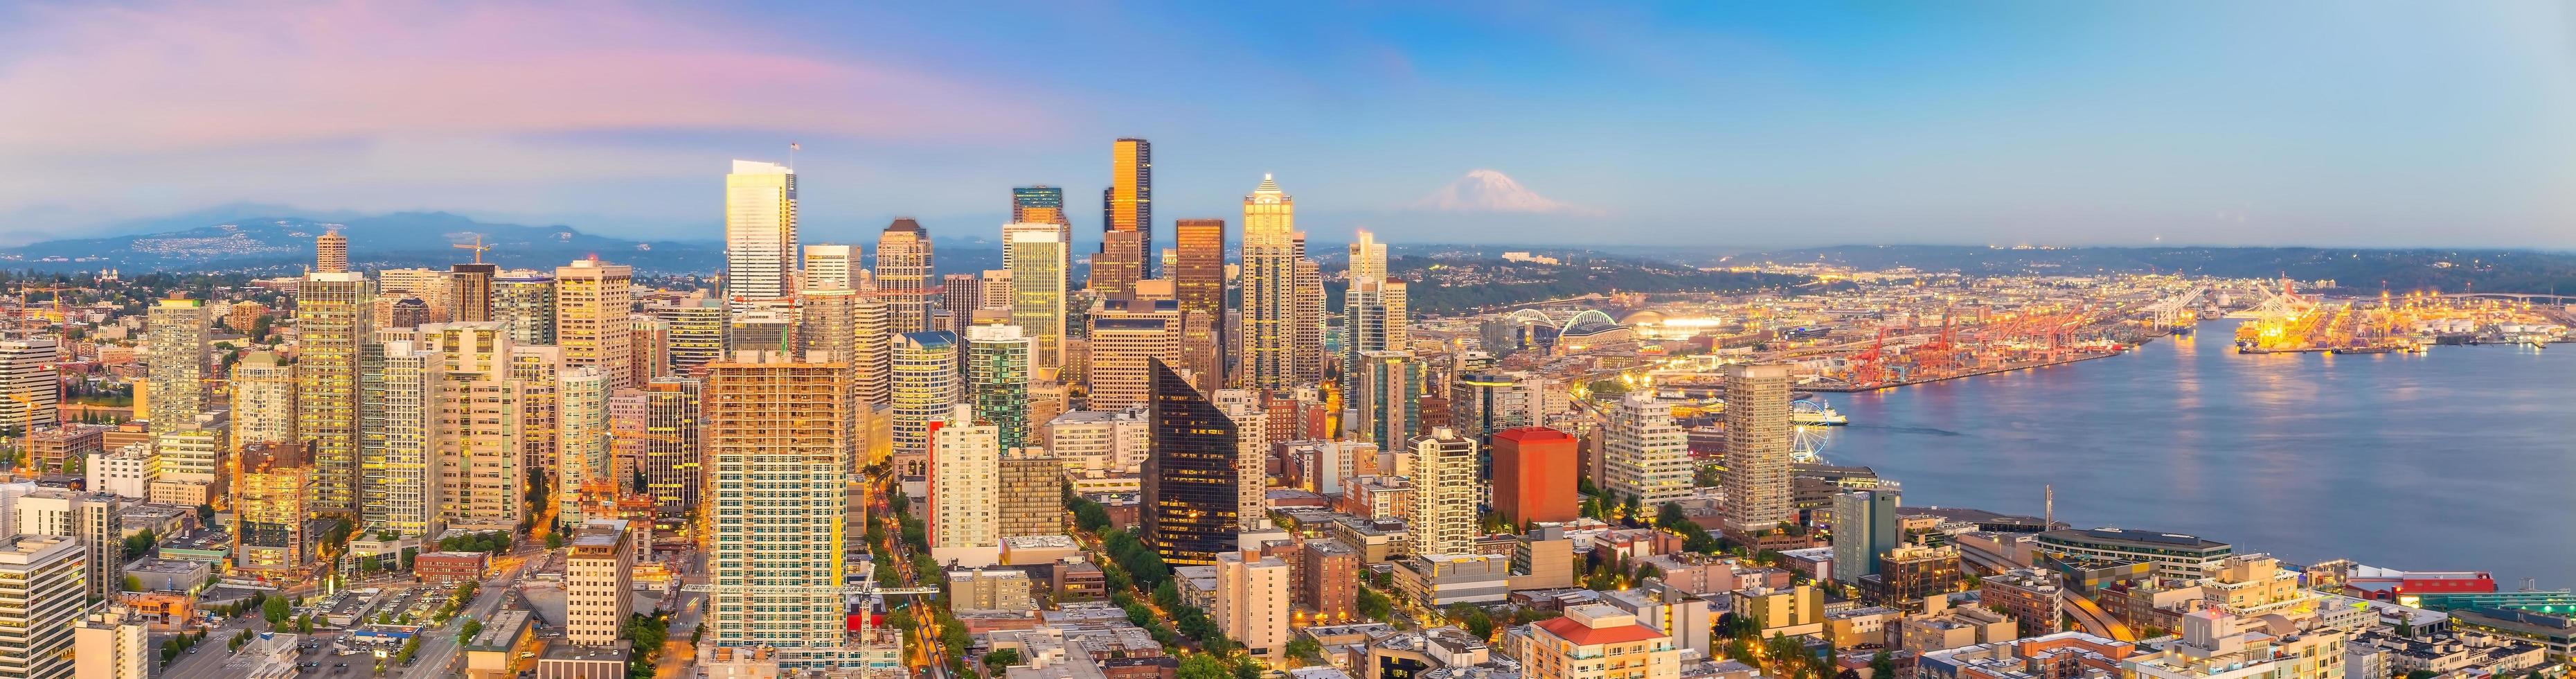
[1493,191]
[180,76]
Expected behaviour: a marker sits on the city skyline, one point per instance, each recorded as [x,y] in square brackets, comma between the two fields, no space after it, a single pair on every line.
[2374,125]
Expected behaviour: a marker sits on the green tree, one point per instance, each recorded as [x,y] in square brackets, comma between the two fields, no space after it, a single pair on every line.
[275,610]
[554,540]
[996,660]
[470,628]
[1882,665]
[1203,666]
[1375,606]
[1306,650]
[133,584]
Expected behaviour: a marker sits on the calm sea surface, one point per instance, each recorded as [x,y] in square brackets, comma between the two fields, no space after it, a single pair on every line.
[2460,459]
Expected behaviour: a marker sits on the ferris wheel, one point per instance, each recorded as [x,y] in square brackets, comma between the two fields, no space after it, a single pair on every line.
[1807,442]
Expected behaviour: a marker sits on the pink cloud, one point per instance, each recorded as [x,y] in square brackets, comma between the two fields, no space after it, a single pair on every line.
[249,72]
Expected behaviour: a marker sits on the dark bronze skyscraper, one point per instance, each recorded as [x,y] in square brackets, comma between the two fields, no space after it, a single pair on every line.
[1128,203]
[1191,511]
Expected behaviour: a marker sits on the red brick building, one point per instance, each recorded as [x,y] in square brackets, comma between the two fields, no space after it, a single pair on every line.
[450,566]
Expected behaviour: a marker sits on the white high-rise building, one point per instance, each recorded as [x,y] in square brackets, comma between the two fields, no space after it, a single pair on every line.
[41,578]
[599,578]
[965,477]
[111,644]
[1037,267]
[1644,454]
[1251,455]
[87,518]
[760,231]
[1445,489]
[828,267]
[1252,602]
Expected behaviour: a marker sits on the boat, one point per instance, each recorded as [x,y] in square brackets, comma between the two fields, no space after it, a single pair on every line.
[1815,413]
[2371,349]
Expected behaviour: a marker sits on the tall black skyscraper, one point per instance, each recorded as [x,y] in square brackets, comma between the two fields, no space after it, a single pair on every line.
[1191,505]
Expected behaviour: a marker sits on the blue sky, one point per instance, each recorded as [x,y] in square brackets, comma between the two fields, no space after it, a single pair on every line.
[2348,123]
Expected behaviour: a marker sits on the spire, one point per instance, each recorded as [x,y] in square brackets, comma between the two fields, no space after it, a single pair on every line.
[1267,186]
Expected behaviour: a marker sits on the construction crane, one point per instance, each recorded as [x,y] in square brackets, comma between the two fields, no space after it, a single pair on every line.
[478,247]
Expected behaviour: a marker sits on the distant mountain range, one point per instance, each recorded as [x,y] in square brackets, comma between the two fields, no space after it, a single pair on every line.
[274,243]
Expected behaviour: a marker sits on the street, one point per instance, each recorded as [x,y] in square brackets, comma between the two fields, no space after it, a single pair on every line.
[439,646]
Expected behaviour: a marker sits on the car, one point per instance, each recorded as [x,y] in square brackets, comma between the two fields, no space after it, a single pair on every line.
[343,663]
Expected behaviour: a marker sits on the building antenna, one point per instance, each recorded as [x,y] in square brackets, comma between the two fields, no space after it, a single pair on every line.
[792,147]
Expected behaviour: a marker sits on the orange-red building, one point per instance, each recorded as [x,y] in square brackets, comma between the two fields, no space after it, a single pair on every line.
[1534,471]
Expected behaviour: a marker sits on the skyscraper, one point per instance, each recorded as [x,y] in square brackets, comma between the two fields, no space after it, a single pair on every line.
[330,252]
[598,581]
[40,599]
[697,326]
[264,407]
[271,500]
[479,463]
[1191,508]
[775,439]
[581,434]
[672,453]
[525,299]
[760,231]
[965,480]
[1273,246]
[872,353]
[827,324]
[1126,335]
[997,381]
[1115,271]
[648,347]
[1445,488]
[1037,266]
[89,518]
[1757,447]
[959,295]
[592,299]
[1198,283]
[1644,454]
[1039,204]
[177,361]
[332,324]
[1128,203]
[828,267]
[1864,528]
[1388,397]
[1373,306]
[30,390]
[398,475]
[472,296]
[903,274]
[925,386]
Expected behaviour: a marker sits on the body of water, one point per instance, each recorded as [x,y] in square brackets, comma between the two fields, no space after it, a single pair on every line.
[2460,459]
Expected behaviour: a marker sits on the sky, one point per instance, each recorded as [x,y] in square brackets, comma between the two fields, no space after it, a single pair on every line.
[1707,124]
